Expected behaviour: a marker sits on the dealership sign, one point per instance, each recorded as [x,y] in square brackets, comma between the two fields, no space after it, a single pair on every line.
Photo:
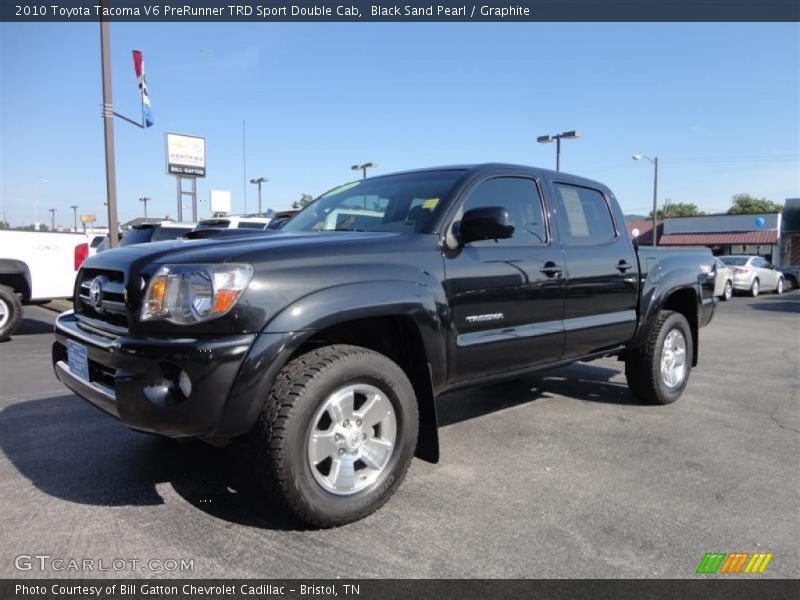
[88,218]
[186,155]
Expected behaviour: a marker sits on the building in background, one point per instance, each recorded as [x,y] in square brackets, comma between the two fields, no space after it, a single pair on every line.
[790,233]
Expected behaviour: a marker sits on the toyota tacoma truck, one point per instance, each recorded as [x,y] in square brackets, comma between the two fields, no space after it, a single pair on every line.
[325,345]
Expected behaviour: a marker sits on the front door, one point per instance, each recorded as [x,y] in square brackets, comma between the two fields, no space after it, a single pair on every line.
[505,296]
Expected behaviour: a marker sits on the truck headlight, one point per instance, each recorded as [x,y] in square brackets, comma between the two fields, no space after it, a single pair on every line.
[187,294]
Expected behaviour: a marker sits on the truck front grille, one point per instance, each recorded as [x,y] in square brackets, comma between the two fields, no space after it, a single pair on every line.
[101,298]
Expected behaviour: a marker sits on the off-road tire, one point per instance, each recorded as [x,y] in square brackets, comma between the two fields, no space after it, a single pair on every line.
[13,309]
[643,365]
[279,438]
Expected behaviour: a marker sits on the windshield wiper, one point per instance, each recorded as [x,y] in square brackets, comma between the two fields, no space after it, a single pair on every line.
[348,229]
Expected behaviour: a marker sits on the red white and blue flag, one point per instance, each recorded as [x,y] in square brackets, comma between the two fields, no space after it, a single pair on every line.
[138,65]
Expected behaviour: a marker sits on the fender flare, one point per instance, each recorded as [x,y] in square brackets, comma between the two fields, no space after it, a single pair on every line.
[297,322]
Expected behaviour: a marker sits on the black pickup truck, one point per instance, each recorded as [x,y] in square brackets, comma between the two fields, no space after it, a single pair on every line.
[325,344]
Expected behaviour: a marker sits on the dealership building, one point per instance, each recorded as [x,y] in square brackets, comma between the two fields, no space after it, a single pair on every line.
[775,236]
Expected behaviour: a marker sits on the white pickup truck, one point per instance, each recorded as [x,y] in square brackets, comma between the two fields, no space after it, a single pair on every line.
[36,266]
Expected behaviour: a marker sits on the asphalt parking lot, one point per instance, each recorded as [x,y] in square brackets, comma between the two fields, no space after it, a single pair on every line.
[560,475]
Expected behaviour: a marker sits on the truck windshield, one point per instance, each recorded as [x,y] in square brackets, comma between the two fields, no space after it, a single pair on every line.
[395,203]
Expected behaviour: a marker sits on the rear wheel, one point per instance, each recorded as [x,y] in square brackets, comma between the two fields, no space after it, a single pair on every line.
[755,288]
[727,293]
[337,434]
[779,287]
[10,312]
[658,372]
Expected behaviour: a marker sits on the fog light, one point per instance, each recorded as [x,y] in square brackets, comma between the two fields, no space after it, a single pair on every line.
[185,384]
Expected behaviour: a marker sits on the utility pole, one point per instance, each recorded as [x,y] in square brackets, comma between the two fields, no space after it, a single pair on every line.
[108,127]
[74,208]
[654,161]
[145,201]
[52,218]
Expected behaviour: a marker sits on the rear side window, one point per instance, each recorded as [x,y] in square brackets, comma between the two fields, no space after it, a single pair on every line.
[251,225]
[583,215]
[521,198]
[137,235]
[169,233]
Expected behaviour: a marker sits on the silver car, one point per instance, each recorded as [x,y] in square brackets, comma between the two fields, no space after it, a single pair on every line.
[752,274]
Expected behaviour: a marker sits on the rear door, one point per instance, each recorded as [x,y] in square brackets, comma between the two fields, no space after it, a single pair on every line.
[601,269]
[506,297]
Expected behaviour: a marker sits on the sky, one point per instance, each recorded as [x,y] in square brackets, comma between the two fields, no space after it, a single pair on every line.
[717,103]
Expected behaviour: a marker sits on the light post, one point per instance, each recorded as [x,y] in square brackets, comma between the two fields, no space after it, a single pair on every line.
[74,208]
[258,182]
[52,218]
[547,139]
[145,201]
[363,168]
[655,191]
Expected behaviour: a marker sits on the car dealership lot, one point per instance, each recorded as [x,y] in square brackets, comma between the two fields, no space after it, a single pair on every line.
[559,475]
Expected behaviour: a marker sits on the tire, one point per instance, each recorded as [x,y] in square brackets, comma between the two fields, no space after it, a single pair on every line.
[643,366]
[755,288]
[301,407]
[10,312]
[727,292]
[779,287]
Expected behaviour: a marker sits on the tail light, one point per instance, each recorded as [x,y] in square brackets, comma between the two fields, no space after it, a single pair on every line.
[81,252]
[739,270]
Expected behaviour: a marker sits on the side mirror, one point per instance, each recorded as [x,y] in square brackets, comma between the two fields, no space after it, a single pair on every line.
[487,223]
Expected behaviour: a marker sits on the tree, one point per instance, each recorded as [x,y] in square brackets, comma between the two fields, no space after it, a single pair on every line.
[5,225]
[676,209]
[304,201]
[743,204]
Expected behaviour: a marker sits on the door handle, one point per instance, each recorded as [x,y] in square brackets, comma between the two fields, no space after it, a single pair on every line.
[622,266]
[550,268]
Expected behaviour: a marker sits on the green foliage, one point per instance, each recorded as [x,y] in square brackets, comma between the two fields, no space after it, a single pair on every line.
[304,201]
[5,225]
[677,209]
[743,204]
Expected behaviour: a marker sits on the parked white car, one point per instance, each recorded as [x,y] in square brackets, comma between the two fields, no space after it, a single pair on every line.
[723,285]
[36,266]
[752,274]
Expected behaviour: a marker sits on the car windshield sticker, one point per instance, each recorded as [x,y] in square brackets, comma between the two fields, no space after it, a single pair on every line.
[430,203]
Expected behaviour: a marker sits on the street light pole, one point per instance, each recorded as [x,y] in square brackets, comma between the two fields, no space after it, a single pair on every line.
[74,208]
[363,168]
[145,201]
[566,135]
[258,182]
[108,127]
[52,218]
[654,161]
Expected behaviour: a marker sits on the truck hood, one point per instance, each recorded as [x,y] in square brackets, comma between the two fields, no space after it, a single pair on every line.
[229,249]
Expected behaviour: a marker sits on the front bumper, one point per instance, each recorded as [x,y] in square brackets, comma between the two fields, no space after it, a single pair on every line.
[136,380]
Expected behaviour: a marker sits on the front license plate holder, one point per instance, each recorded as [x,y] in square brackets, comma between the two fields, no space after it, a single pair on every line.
[78,359]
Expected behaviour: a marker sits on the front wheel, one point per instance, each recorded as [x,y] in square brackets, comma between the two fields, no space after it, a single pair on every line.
[10,312]
[658,372]
[779,287]
[337,434]
[727,293]
[755,288]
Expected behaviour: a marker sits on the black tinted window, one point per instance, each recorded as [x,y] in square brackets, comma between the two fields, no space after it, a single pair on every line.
[169,233]
[251,225]
[137,235]
[583,215]
[521,198]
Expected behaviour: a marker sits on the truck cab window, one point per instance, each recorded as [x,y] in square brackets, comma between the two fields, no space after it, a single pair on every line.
[521,198]
[583,215]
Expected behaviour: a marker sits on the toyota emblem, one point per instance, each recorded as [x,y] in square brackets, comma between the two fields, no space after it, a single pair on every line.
[96,291]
